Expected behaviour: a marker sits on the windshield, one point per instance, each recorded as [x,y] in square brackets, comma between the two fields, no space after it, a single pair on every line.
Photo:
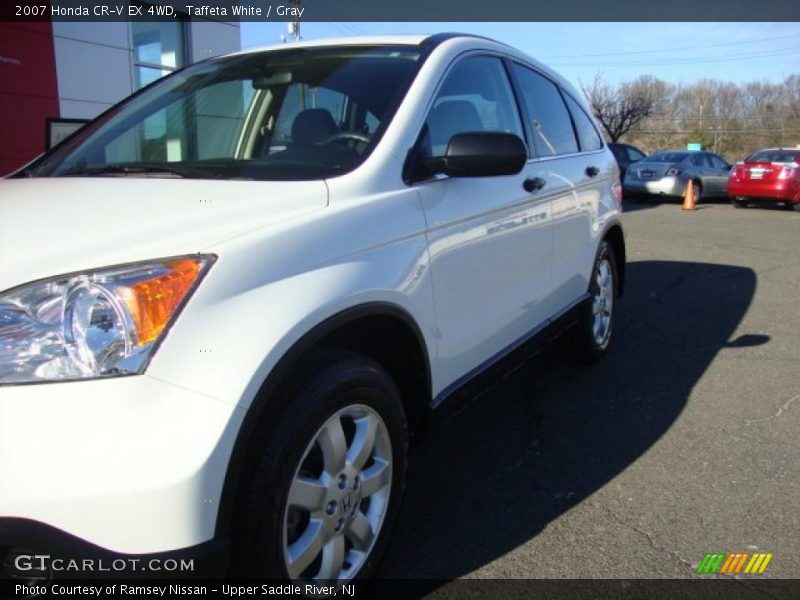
[774,156]
[667,157]
[295,114]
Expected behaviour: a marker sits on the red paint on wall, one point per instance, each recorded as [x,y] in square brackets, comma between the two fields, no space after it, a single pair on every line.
[28,91]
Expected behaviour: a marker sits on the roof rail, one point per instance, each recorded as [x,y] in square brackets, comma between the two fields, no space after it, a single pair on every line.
[436,39]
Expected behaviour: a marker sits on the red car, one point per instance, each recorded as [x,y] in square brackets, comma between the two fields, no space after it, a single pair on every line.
[771,175]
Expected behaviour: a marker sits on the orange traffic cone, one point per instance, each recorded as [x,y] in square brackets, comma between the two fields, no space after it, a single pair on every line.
[688,197]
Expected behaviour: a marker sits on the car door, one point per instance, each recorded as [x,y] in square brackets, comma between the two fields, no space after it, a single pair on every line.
[490,240]
[572,178]
[699,170]
[720,171]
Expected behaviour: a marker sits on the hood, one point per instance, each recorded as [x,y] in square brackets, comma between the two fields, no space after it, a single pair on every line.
[52,226]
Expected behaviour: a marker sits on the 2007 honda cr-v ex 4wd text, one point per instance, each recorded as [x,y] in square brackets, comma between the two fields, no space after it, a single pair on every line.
[230,301]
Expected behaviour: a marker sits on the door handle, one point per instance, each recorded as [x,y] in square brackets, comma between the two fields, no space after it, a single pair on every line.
[592,171]
[533,184]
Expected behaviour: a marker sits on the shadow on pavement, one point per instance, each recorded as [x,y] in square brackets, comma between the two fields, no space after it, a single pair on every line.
[492,476]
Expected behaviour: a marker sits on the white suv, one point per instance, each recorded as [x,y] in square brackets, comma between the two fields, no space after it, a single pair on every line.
[231,299]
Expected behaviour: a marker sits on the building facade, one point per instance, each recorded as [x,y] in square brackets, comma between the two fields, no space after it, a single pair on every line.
[55,72]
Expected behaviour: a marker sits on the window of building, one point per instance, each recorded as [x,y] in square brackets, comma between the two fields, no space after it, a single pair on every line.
[159,48]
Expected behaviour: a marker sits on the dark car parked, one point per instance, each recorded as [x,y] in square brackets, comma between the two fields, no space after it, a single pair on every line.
[626,155]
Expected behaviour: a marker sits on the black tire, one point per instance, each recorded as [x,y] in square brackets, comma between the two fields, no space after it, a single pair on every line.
[321,388]
[584,346]
[738,203]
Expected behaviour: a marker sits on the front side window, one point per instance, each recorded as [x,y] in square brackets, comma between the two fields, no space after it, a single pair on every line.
[550,122]
[295,114]
[587,134]
[476,96]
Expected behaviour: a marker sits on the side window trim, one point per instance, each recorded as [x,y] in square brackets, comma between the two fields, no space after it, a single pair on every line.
[522,108]
[566,94]
[571,117]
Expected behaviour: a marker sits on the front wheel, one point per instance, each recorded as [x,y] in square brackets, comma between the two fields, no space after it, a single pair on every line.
[591,337]
[738,203]
[326,478]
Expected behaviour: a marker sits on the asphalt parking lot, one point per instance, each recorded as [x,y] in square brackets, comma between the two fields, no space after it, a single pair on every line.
[683,441]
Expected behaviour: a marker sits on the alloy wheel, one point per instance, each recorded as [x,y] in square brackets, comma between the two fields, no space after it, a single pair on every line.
[603,303]
[338,497]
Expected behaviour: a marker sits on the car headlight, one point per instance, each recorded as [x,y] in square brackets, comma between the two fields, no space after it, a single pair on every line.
[101,323]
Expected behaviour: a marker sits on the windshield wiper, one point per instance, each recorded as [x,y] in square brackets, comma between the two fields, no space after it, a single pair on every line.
[140,169]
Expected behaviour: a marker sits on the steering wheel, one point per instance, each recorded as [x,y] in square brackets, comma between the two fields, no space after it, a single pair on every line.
[346,135]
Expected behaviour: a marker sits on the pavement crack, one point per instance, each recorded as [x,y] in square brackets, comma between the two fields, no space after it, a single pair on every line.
[649,537]
[781,410]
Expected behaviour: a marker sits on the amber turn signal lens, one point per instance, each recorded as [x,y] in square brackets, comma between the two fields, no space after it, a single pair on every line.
[151,302]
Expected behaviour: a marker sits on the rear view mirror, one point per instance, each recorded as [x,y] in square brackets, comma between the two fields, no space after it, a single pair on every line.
[264,82]
[480,154]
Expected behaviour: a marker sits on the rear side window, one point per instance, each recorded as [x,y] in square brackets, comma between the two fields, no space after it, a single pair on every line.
[550,121]
[587,134]
[634,154]
[476,96]
[717,162]
[667,157]
[698,160]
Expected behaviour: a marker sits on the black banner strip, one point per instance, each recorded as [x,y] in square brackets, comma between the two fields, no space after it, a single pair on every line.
[401,10]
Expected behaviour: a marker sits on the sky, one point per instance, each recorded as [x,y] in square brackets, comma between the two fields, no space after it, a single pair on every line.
[674,52]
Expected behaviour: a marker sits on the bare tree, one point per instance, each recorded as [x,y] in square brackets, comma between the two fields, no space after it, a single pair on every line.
[620,108]
[732,119]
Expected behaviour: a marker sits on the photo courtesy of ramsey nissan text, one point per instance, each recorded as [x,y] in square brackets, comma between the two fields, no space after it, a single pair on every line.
[316,299]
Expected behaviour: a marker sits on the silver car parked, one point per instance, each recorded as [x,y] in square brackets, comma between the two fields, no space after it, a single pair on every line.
[667,174]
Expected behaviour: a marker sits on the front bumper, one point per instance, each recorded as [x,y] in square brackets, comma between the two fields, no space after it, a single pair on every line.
[132,465]
[667,186]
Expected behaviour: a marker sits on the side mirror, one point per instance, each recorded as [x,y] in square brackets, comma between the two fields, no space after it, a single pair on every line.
[480,154]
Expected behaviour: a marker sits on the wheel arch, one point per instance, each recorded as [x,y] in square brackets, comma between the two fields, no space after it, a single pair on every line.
[361,329]
[616,238]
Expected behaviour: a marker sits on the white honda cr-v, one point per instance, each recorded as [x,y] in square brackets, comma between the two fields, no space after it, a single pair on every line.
[228,303]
